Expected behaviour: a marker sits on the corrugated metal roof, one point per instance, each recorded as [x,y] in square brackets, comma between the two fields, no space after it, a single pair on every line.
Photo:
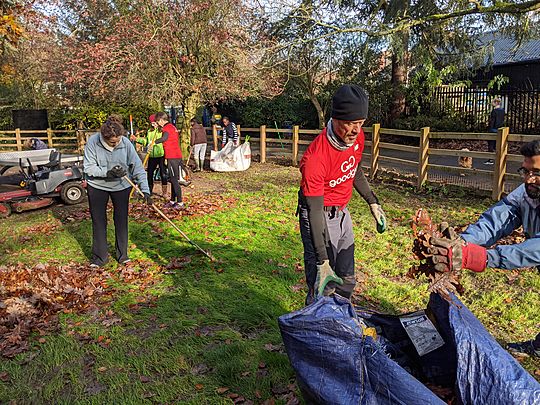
[504,52]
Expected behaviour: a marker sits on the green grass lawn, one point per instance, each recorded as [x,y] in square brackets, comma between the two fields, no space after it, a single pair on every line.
[207,332]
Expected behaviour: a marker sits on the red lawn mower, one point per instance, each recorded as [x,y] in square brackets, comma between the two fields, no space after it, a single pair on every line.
[43,176]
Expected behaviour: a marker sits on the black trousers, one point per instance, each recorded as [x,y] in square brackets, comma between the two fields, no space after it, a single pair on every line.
[174,175]
[340,250]
[98,200]
[153,164]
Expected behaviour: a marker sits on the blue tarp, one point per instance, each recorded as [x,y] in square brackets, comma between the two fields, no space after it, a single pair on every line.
[336,364]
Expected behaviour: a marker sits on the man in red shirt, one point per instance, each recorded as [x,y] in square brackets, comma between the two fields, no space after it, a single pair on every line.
[330,168]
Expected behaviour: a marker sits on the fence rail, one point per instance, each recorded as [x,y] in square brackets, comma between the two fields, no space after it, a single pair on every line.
[291,143]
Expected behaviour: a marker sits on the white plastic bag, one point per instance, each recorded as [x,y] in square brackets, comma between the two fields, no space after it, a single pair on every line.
[231,158]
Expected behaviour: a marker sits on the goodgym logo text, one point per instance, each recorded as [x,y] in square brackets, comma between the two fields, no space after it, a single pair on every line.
[348,165]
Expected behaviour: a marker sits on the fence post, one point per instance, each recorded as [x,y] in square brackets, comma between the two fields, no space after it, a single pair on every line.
[80,142]
[214,134]
[239,129]
[500,163]
[49,138]
[262,145]
[295,139]
[375,138]
[423,157]
[18,137]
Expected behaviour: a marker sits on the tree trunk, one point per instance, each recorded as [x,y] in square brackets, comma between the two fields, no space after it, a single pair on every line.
[320,112]
[191,103]
[400,58]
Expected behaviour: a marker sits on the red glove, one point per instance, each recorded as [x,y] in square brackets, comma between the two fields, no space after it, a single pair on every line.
[474,257]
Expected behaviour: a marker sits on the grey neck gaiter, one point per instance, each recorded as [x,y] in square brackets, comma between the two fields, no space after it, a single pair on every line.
[334,140]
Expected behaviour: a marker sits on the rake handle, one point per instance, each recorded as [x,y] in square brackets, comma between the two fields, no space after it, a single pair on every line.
[162,214]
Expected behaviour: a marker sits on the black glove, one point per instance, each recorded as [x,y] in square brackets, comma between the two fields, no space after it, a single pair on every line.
[147,199]
[116,172]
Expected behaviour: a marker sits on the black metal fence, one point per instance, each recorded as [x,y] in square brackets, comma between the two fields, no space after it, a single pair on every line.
[472,106]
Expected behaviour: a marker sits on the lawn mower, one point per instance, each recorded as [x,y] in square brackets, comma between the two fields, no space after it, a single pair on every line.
[43,176]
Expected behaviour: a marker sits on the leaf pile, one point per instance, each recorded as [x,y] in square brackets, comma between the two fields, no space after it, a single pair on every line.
[196,204]
[443,283]
[31,297]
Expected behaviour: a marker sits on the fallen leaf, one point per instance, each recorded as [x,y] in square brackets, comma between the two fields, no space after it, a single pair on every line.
[102,369]
[199,387]
[4,376]
[144,379]
[42,340]
[222,390]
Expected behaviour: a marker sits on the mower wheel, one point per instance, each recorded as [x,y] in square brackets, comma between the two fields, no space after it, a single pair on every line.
[5,210]
[72,193]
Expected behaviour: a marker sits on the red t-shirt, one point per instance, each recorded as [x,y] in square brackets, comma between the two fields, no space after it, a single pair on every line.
[329,172]
[172,144]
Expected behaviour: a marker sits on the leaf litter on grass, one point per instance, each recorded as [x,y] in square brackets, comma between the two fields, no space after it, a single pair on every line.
[32,297]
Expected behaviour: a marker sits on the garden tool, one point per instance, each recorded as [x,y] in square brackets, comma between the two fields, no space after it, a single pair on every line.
[154,206]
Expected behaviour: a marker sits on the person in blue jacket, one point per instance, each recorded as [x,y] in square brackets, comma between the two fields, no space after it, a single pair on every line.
[520,208]
[108,157]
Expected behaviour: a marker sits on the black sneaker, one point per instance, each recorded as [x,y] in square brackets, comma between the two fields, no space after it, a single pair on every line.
[524,348]
[489,162]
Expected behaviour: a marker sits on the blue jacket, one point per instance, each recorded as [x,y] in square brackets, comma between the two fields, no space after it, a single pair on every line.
[98,160]
[500,220]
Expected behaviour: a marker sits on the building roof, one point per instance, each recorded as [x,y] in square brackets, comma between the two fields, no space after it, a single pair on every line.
[504,51]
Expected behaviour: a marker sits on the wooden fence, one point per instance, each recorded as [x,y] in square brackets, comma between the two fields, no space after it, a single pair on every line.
[422,153]
[291,143]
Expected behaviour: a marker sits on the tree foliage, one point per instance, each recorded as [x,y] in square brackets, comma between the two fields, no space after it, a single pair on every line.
[410,34]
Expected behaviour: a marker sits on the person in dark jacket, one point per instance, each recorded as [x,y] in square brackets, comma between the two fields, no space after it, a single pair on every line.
[34,144]
[198,143]
[496,121]
[108,157]
[521,208]
[330,169]
[229,132]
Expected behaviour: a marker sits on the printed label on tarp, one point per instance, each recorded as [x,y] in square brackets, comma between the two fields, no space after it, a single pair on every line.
[422,332]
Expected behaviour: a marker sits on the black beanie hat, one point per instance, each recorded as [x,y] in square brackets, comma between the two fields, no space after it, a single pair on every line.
[350,103]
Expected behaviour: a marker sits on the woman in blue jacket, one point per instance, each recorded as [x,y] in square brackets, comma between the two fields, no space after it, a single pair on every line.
[108,157]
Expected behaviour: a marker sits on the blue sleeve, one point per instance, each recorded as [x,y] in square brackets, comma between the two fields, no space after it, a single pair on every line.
[137,172]
[497,222]
[525,254]
[91,165]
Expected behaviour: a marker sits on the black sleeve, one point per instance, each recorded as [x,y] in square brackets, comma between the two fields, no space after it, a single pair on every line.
[492,118]
[163,138]
[318,226]
[362,186]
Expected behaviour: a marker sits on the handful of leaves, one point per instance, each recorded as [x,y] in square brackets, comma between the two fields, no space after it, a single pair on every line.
[442,279]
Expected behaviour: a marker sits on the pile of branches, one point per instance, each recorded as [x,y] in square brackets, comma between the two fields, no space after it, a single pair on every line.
[32,297]
[441,282]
